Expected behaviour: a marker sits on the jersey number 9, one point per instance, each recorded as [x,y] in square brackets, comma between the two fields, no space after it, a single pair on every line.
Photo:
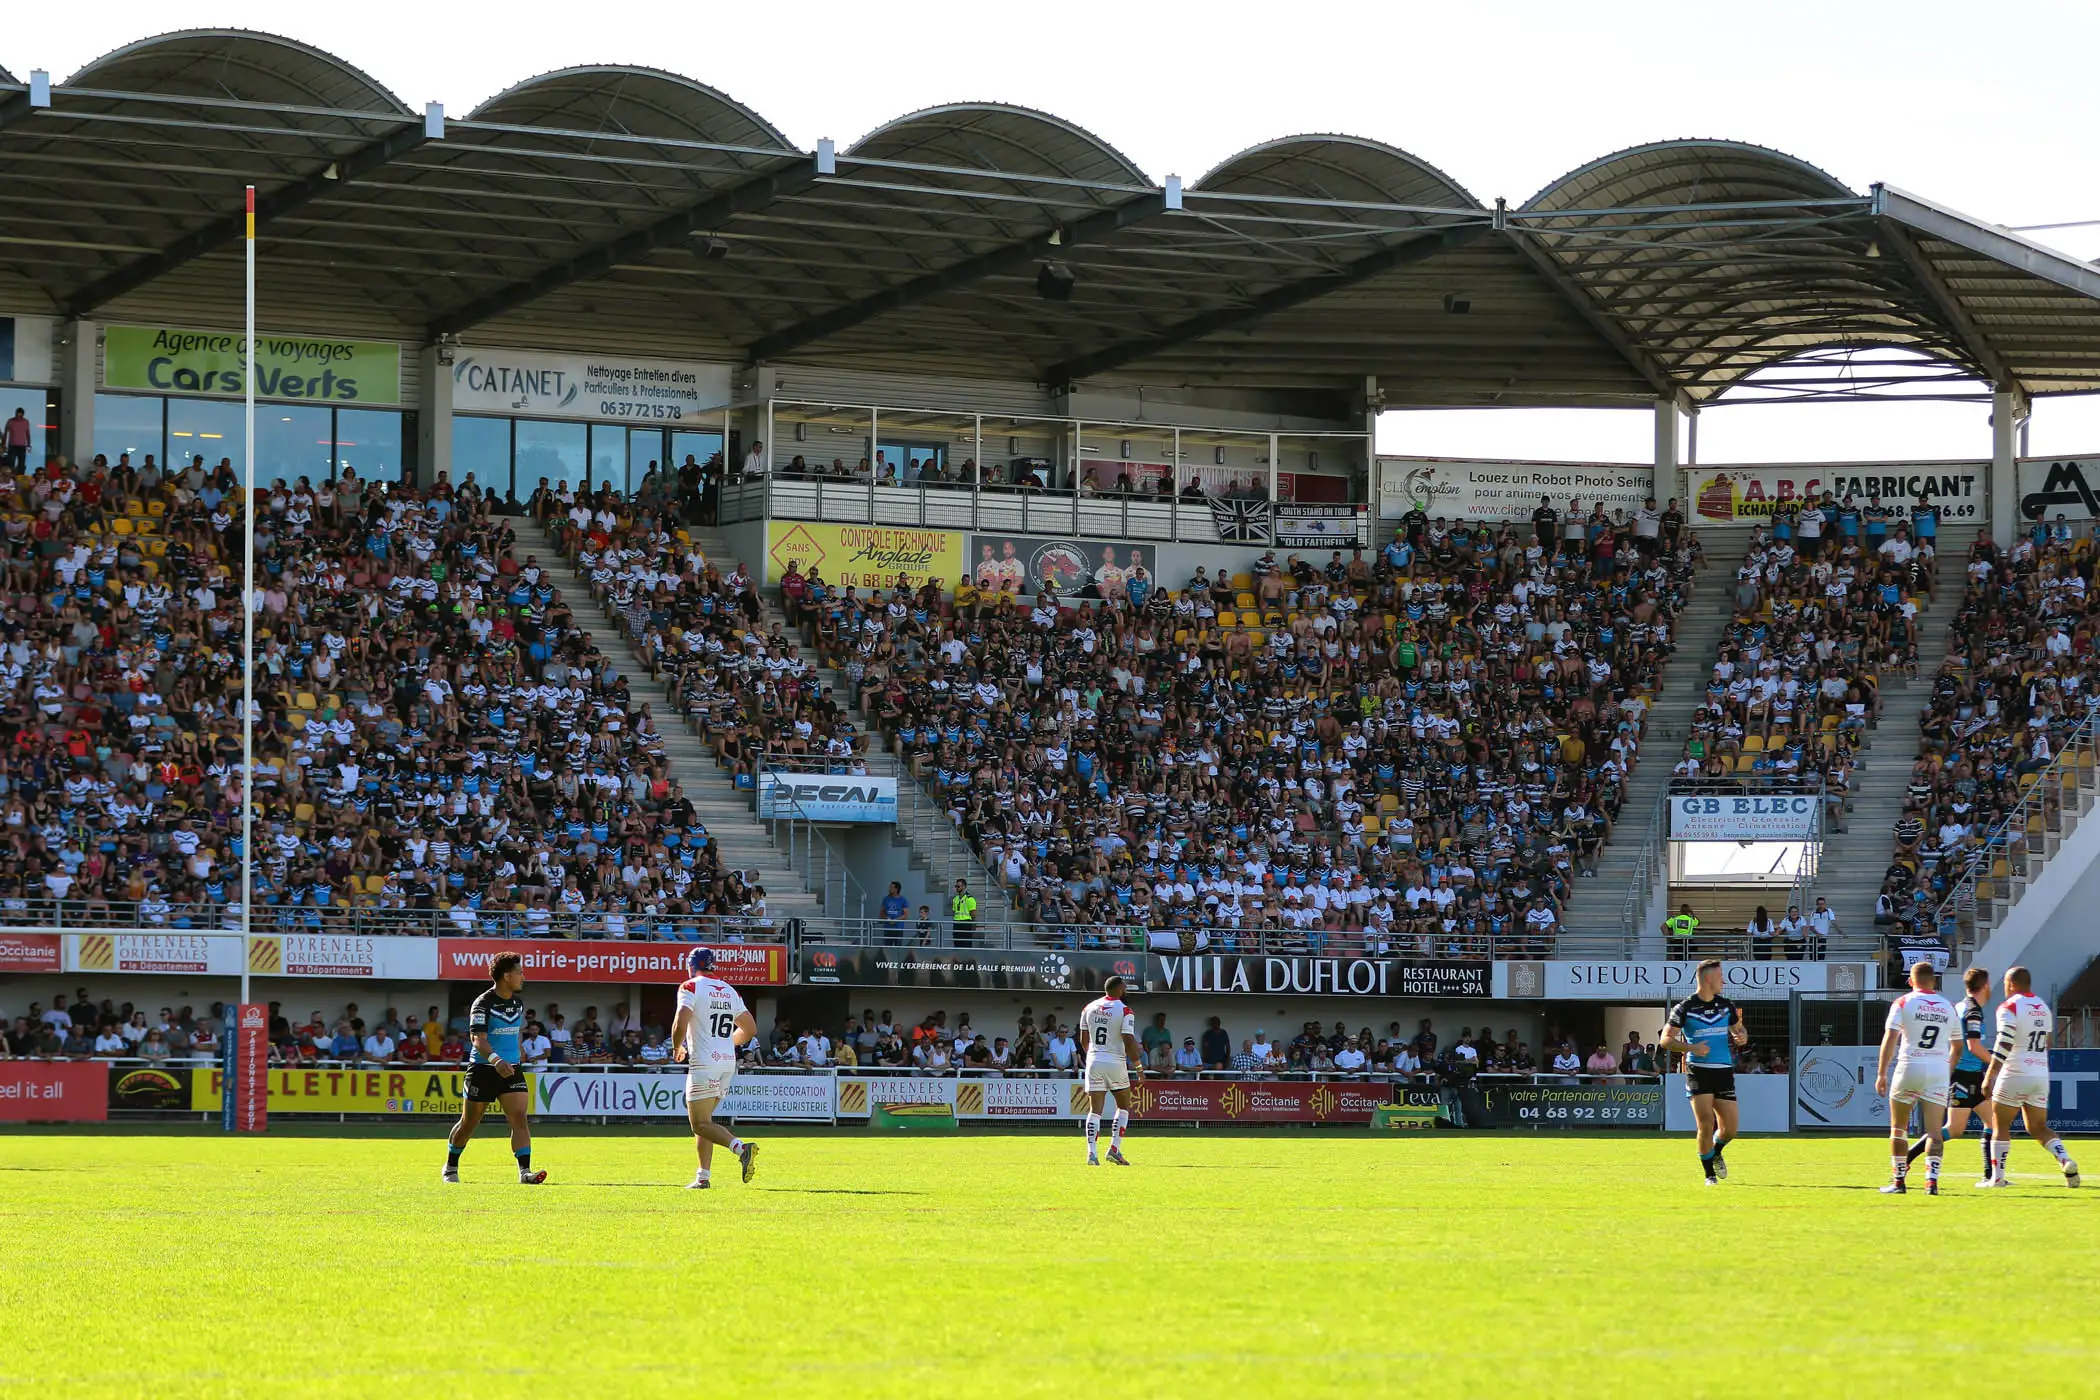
[1928,1037]
[721,1025]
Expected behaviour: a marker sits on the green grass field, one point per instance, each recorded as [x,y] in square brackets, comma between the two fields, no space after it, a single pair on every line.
[988,1266]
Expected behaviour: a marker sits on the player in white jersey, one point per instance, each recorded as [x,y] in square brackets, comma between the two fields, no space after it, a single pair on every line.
[712,1022]
[1109,1031]
[1921,1026]
[2018,1079]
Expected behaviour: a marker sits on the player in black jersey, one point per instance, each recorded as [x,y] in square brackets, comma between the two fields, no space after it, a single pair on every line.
[1971,1056]
[495,1027]
[1707,1028]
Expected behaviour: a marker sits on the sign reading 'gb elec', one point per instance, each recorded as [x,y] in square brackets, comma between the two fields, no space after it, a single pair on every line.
[1733,817]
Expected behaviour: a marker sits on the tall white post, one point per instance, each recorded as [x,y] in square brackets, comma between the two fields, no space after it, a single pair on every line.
[1666,454]
[249,598]
[2007,414]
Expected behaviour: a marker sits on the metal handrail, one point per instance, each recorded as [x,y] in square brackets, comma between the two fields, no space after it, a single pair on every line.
[2010,834]
[55,916]
[814,847]
[1633,908]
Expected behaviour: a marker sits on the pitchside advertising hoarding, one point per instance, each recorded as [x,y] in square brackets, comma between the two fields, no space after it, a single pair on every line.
[191,953]
[1577,1105]
[1360,977]
[558,960]
[657,1094]
[1725,817]
[992,969]
[1834,1088]
[1748,495]
[826,797]
[1659,982]
[31,952]
[1257,1101]
[45,1091]
[384,1091]
[1041,1099]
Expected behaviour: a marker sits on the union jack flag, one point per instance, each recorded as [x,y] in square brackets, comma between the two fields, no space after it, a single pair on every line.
[1241,521]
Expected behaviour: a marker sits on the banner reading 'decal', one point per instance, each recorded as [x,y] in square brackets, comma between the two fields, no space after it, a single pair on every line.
[826,797]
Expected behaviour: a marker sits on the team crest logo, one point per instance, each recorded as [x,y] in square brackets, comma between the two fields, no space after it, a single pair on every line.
[1324,1101]
[969,1097]
[1234,1101]
[97,952]
[853,1096]
[266,955]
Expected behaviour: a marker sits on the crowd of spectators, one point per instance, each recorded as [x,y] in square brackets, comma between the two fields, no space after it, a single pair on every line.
[2020,679]
[1825,605]
[1419,751]
[435,731]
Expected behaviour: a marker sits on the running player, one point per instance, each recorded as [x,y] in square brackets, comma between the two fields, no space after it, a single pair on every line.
[493,1074]
[1920,1027]
[1965,1096]
[2018,1079]
[1109,1031]
[712,1022]
[1708,1028]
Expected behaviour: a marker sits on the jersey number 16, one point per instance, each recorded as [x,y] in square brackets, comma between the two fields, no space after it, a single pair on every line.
[721,1025]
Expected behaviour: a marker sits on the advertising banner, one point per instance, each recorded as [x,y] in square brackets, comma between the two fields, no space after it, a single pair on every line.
[1726,817]
[212,954]
[1016,970]
[1317,527]
[342,955]
[607,960]
[53,1091]
[1347,977]
[176,361]
[1657,982]
[1577,1105]
[1257,1101]
[2074,1091]
[864,556]
[1761,1103]
[827,797]
[149,1088]
[1022,564]
[1749,495]
[1463,489]
[661,1094]
[1021,1098]
[603,388]
[30,952]
[2063,486]
[251,1110]
[857,1093]
[388,1091]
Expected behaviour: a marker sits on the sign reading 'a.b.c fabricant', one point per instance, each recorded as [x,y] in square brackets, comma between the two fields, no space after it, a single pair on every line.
[1358,977]
[1737,817]
[826,797]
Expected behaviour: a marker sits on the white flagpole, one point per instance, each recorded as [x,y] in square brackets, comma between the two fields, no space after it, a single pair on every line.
[248,599]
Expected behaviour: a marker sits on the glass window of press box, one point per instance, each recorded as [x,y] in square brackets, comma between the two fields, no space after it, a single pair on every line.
[518,454]
[291,440]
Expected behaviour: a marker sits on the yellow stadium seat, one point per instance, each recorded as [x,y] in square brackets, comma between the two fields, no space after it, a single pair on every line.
[306,701]
[303,813]
[1244,600]
[1753,743]
[121,525]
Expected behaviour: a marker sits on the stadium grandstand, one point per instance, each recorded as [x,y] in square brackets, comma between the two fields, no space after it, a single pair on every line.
[616,459]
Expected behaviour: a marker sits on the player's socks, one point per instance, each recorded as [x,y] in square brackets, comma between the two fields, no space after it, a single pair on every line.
[2001,1148]
[1917,1149]
[1093,1136]
[702,1180]
[1706,1164]
[1899,1167]
[524,1156]
[452,1161]
[736,1145]
[1115,1132]
[1932,1174]
[1987,1136]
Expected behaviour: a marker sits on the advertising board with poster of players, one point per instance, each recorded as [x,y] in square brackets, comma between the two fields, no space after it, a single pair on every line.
[1024,564]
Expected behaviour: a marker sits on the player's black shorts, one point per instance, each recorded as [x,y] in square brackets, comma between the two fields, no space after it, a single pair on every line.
[1718,1082]
[486,1085]
[1965,1088]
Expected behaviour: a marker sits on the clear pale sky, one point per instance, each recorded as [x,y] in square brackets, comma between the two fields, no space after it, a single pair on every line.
[1991,109]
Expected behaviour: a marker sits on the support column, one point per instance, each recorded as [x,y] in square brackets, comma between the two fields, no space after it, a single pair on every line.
[434,423]
[76,376]
[2008,412]
[1667,458]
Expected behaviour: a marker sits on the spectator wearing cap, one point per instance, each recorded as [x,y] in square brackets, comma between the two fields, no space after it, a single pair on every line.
[1188,1060]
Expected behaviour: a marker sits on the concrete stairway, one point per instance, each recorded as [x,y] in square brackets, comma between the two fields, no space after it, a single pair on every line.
[728,813]
[1595,917]
[935,847]
[1854,859]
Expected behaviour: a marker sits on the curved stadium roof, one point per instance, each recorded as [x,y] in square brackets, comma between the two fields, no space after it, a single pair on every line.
[629,204]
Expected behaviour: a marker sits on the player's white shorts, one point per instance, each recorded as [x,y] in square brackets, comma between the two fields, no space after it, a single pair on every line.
[1919,1083]
[1107,1077]
[709,1083]
[2022,1090]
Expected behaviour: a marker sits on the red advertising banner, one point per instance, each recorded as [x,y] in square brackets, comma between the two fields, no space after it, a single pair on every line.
[1258,1101]
[251,1111]
[566,960]
[39,1091]
[29,952]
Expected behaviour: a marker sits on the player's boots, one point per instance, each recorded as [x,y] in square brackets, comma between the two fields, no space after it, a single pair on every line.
[1720,1166]
[748,1155]
[1115,1155]
[1895,1188]
[533,1178]
[1990,1182]
[2071,1175]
